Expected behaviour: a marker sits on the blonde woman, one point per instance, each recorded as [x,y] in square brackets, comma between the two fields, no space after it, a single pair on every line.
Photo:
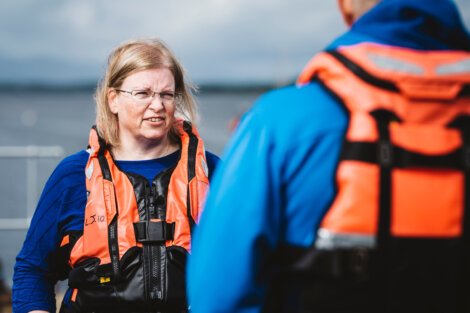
[117,219]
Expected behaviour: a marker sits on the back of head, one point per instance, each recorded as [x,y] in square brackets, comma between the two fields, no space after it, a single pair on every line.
[352,10]
[363,6]
[131,57]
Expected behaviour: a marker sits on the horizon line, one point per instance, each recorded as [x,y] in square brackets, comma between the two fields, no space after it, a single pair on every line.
[86,86]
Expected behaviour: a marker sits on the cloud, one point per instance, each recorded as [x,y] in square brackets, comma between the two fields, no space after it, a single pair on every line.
[214,39]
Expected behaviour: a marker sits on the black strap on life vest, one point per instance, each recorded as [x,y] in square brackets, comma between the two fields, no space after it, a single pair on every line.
[462,123]
[362,73]
[386,160]
[59,258]
[367,152]
[192,148]
[155,232]
[112,228]
[465,92]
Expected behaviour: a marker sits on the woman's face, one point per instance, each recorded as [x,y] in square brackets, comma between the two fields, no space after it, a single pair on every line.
[144,122]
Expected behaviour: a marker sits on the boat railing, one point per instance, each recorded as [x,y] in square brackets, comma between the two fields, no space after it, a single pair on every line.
[31,154]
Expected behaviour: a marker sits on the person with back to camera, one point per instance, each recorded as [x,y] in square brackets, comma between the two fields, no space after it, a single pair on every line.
[349,192]
[117,219]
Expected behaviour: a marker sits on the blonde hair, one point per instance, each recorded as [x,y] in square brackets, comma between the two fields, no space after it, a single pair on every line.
[128,58]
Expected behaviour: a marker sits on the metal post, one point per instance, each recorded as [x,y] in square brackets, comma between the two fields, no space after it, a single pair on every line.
[31,154]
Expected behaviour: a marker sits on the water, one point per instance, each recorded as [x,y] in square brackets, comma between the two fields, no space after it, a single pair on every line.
[64,119]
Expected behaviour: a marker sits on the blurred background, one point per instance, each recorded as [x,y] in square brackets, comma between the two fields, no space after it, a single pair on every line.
[52,54]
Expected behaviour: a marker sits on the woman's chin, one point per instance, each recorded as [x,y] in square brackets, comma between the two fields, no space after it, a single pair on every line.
[156,137]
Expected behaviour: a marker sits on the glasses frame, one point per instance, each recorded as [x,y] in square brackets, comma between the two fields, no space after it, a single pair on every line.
[131,92]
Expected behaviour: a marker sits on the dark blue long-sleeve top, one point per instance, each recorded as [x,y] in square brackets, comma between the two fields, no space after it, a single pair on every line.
[62,208]
[277,178]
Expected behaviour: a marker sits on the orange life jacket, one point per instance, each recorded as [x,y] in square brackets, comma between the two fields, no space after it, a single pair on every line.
[136,236]
[397,235]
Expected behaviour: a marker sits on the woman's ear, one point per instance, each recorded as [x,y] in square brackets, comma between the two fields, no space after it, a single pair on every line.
[112,101]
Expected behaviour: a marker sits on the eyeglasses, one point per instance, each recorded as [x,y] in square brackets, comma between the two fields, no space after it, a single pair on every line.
[146,96]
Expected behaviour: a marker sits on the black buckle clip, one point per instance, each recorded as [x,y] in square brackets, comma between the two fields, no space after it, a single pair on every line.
[466,157]
[385,153]
[153,232]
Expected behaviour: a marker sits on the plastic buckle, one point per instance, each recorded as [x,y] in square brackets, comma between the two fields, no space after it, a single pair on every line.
[153,232]
[466,157]
[385,153]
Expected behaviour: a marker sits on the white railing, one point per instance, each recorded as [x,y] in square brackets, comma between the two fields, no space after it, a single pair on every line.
[31,154]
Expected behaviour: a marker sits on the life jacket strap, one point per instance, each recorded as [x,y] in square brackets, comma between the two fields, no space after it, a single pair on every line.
[462,123]
[154,232]
[370,152]
[337,263]
[192,148]
[386,161]
[362,73]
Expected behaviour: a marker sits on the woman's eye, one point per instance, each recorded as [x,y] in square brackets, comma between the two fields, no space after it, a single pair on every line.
[141,94]
[167,95]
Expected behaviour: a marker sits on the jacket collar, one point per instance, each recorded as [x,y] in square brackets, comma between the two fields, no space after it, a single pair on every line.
[416,24]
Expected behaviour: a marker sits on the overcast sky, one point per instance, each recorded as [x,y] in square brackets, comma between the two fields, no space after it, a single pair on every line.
[216,40]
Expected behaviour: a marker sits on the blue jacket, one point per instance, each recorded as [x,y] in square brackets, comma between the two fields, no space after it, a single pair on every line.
[277,179]
[62,208]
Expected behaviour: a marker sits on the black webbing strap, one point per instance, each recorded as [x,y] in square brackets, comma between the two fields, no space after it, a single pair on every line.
[335,263]
[402,158]
[102,158]
[154,232]
[188,210]
[386,160]
[192,149]
[362,73]
[465,91]
[112,228]
[462,123]
[465,285]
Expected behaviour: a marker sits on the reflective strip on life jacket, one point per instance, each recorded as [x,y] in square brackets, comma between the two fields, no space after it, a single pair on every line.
[327,240]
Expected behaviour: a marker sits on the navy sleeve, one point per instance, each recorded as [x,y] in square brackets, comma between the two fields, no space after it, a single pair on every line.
[60,208]
[212,161]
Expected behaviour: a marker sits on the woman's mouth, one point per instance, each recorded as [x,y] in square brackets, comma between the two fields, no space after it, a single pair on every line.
[155,119]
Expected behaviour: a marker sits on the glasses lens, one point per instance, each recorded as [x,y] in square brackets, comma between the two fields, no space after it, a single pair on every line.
[145,96]
[167,96]
[142,95]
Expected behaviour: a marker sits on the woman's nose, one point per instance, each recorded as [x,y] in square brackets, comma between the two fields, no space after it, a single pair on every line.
[157,102]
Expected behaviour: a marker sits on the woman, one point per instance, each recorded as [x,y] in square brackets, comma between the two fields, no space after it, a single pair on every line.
[116,220]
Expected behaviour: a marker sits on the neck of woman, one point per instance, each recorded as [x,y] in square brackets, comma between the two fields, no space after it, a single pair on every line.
[141,150]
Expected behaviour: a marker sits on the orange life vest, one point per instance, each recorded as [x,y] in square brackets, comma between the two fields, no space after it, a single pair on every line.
[136,236]
[397,235]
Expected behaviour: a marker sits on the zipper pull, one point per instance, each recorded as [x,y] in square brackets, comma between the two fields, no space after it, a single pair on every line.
[151,202]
